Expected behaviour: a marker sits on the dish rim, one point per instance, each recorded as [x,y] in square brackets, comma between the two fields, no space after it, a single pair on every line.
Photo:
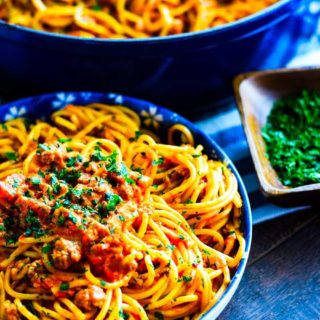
[149,40]
[267,188]
[136,105]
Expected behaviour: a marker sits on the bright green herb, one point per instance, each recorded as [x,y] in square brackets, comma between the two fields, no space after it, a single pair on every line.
[96,7]
[63,140]
[292,137]
[64,286]
[113,201]
[43,147]
[34,225]
[46,248]
[159,315]
[35,181]
[11,156]
[155,162]
[186,278]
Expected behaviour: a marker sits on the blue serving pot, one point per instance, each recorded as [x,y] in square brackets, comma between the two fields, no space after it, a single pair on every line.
[184,71]
[161,120]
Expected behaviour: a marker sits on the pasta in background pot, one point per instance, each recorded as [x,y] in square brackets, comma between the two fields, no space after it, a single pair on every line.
[127,19]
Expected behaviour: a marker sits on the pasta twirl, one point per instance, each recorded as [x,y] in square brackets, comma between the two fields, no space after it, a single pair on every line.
[124,18]
[99,220]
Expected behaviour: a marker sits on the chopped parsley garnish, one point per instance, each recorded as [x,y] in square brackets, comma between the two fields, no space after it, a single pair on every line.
[41,174]
[34,225]
[64,286]
[96,7]
[43,147]
[50,196]
[15,183]
[86,164]
[292,138]
[72,218]
[137,135]
[27,194]
[113,201]
[133,168]
[123,315]
[181,236]
[35,181]
[77,192]
[11,156]
[46,248]
[69,176]
[122,219]
[158,162]
[159,315]
[103,283]
[72,161]
[98,156]
[189,201]
[61,220]
[11,237]
[186,278]
[196,155]
[63,140]
[55,184]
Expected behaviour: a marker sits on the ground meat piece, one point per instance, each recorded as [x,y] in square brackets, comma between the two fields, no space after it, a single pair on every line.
[36,270]
[54,155]
[66,253]
[10,311]
[7,193]
[90,298]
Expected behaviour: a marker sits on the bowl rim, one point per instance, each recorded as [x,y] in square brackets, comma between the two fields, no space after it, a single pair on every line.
[188,35]
[136,104]
[267,188]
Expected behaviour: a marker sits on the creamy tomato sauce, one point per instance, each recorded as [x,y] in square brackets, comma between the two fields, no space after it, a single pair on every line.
[88,202]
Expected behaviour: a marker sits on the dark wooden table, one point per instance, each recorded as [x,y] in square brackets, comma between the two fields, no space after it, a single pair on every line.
[282,279]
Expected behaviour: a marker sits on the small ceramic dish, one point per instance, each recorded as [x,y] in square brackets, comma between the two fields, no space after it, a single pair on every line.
[156,120]
[255,94]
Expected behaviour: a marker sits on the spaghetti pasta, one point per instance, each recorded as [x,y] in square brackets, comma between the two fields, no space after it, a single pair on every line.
[126,19]
[99,220]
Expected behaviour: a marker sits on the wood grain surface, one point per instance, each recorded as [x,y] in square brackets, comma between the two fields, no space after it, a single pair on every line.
[282,280]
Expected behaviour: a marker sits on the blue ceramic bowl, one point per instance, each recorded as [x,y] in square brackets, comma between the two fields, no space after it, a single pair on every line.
[42,107]
[184,71]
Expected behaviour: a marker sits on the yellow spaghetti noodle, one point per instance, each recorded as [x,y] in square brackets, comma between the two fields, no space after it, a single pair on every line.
[99,220]
[126,18]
